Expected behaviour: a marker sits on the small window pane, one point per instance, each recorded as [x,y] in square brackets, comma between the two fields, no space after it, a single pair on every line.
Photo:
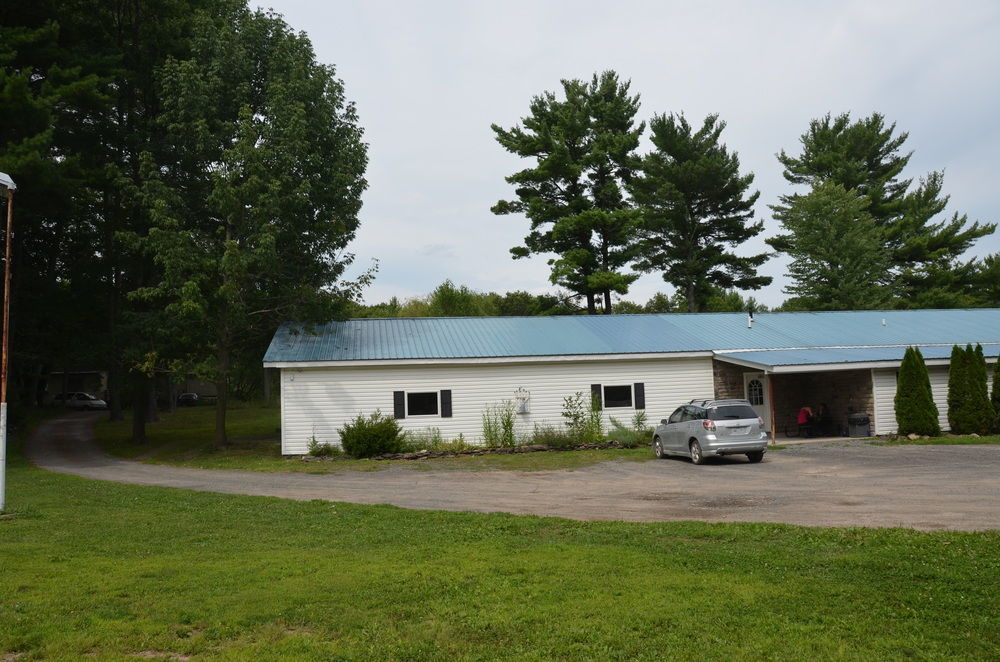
[422,404]
[618,396]
[755,392]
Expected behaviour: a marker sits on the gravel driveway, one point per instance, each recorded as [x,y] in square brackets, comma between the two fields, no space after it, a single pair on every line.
[851,484]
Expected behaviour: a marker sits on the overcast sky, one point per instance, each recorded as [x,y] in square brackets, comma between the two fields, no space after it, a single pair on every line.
[430,77]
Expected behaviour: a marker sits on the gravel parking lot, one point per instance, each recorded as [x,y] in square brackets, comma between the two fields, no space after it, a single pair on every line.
[846,484]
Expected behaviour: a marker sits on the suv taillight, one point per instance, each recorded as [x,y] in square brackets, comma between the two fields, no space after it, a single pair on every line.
[708,424]
[761,421]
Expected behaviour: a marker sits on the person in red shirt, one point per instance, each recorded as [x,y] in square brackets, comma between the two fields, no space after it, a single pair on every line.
[805,421]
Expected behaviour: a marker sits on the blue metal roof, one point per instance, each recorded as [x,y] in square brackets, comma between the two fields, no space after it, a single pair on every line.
[487,337]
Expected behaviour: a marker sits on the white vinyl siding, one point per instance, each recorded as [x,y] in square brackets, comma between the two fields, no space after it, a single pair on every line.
[884,386]
[315,402]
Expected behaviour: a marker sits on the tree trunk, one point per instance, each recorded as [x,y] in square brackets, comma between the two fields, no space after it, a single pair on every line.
[591,307]
[115,377]
[607,302]
[692,303]
[33,386]
[140,400]
[114,394]
[222,396]
[152,410]
[221,402]
[171,397]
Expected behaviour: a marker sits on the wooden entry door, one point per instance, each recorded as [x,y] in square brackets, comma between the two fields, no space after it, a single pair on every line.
[755,388]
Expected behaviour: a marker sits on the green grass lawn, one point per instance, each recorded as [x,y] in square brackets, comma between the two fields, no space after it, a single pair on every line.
[101,571]
[185,438]
[935,441]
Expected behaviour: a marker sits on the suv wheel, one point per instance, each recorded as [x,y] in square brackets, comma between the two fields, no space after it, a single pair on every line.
[755,456]
[696,456]
[658,448]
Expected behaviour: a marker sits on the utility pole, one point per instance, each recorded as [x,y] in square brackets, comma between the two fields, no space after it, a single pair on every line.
[7,183]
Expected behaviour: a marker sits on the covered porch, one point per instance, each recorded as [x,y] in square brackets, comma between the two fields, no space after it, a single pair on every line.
[841,398]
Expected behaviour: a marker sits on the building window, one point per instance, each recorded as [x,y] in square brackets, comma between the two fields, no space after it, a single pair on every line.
[755,392]
[618,396]
[422,404]
[627,395]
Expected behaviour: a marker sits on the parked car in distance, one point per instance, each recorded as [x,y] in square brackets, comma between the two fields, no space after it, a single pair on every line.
[79,400]
[703,428]
[187,400]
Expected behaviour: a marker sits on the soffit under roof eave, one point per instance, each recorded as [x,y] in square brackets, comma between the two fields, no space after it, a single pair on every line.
[822,367]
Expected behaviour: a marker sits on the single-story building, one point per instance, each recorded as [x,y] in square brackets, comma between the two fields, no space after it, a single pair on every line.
[445,372]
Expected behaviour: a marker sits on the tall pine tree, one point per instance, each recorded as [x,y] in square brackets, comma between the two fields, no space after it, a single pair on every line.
[839,261]
[574,196]
[50,103]
[925,264]
[696,208]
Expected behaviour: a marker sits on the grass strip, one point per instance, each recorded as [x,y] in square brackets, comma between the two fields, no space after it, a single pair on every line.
[101,571]
[963,440]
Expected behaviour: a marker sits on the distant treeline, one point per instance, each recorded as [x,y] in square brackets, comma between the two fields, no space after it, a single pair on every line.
[450,300]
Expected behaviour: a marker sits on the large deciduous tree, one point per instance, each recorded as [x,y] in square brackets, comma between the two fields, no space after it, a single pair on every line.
[696,208]
[254,193]
[839,258]
[925,264]
[584,150]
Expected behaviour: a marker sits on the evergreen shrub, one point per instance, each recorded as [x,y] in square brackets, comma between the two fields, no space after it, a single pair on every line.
[916,412]
[371,436]
[996,396]
[958,391]
[980,408]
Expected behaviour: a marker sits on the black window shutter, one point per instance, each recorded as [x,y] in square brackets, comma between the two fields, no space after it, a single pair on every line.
[595,392]
[639,395]
[446,404]
[399,404]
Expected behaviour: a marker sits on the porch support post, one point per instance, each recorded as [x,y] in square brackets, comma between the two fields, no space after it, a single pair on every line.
[774,424]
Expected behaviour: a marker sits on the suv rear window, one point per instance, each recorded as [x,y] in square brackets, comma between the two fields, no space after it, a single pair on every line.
[731,412]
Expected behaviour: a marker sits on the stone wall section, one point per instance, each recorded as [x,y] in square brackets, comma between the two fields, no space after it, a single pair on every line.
[729,379]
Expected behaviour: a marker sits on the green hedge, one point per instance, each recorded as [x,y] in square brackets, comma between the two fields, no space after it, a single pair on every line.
[371,436]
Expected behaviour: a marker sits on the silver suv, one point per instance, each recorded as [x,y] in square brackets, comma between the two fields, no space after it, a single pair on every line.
[703,428]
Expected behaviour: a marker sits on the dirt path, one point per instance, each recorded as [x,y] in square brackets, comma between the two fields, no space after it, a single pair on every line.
[923,487]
